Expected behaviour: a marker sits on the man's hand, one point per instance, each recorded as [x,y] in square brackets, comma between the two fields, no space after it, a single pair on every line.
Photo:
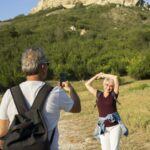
[67,86]
[76,108]
[3,130]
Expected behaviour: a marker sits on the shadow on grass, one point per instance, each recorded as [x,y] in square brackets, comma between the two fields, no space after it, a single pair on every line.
[128,82]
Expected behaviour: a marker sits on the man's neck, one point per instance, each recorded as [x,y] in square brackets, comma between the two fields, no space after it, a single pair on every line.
[33,78]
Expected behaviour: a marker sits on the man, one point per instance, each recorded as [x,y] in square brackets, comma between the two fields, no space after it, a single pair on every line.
[35,66]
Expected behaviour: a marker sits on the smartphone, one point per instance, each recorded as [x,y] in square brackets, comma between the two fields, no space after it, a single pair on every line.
[62,78]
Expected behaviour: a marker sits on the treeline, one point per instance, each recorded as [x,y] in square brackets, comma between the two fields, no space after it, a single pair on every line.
[80,42]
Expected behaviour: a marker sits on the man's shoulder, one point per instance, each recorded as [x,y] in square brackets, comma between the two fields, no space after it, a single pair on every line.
[32,83]
[57,90]
[7,93]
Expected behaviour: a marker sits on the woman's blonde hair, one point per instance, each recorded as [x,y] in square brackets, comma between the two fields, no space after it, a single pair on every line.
[108,80]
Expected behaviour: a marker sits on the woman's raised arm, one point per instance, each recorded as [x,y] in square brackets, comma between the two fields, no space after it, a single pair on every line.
[89,86]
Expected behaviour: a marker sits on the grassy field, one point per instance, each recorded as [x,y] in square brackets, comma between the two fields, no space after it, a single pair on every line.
[76,130]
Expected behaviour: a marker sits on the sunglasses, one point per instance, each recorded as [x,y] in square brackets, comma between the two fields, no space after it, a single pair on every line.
[45,63]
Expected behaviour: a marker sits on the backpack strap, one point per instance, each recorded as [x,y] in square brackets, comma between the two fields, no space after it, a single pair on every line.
[52,136]
[39,102]
[19,99]
[41,97]
[98,94]
[115,96]
[20,102]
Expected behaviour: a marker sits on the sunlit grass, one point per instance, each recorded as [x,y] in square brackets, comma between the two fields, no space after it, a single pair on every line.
[134,109]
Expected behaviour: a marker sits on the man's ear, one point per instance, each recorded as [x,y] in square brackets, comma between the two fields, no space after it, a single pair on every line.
[42,66]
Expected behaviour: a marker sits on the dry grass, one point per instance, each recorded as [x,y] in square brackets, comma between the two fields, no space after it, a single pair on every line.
[76,130]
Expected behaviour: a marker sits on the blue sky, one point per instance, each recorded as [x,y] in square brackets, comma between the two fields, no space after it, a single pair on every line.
[11,8]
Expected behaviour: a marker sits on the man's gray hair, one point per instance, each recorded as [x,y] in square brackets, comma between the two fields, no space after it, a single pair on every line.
[31,59]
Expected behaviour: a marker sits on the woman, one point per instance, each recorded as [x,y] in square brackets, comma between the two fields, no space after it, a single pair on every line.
[109,124]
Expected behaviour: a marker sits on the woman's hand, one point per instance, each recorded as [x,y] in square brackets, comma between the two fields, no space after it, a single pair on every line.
[100,75]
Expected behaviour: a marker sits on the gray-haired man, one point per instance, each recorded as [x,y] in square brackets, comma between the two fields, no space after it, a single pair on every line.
[35,66]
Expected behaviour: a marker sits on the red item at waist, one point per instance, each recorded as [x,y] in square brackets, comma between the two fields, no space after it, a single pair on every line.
[110,124]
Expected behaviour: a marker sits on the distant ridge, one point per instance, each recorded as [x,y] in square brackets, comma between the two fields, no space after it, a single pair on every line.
[44,4]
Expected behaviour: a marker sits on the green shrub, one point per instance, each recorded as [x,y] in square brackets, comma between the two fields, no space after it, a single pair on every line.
[109,45]
[139,66]
[79,5]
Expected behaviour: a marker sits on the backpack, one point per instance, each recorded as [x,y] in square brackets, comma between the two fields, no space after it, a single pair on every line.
[28,130]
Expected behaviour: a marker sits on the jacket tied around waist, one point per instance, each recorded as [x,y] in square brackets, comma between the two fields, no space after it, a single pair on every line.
[114,117]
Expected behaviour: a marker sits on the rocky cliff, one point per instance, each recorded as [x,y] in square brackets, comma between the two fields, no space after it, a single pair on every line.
[43,4]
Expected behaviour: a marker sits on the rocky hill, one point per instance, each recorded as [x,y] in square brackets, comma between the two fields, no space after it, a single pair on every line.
[44,4]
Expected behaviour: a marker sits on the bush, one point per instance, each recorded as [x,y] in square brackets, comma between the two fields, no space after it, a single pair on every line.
[139,67]
[107,46]
[79,5]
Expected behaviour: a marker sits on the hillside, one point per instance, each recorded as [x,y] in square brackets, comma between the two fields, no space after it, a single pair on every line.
[80,41]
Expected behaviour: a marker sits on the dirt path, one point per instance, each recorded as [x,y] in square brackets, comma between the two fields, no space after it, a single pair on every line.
[76,134]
